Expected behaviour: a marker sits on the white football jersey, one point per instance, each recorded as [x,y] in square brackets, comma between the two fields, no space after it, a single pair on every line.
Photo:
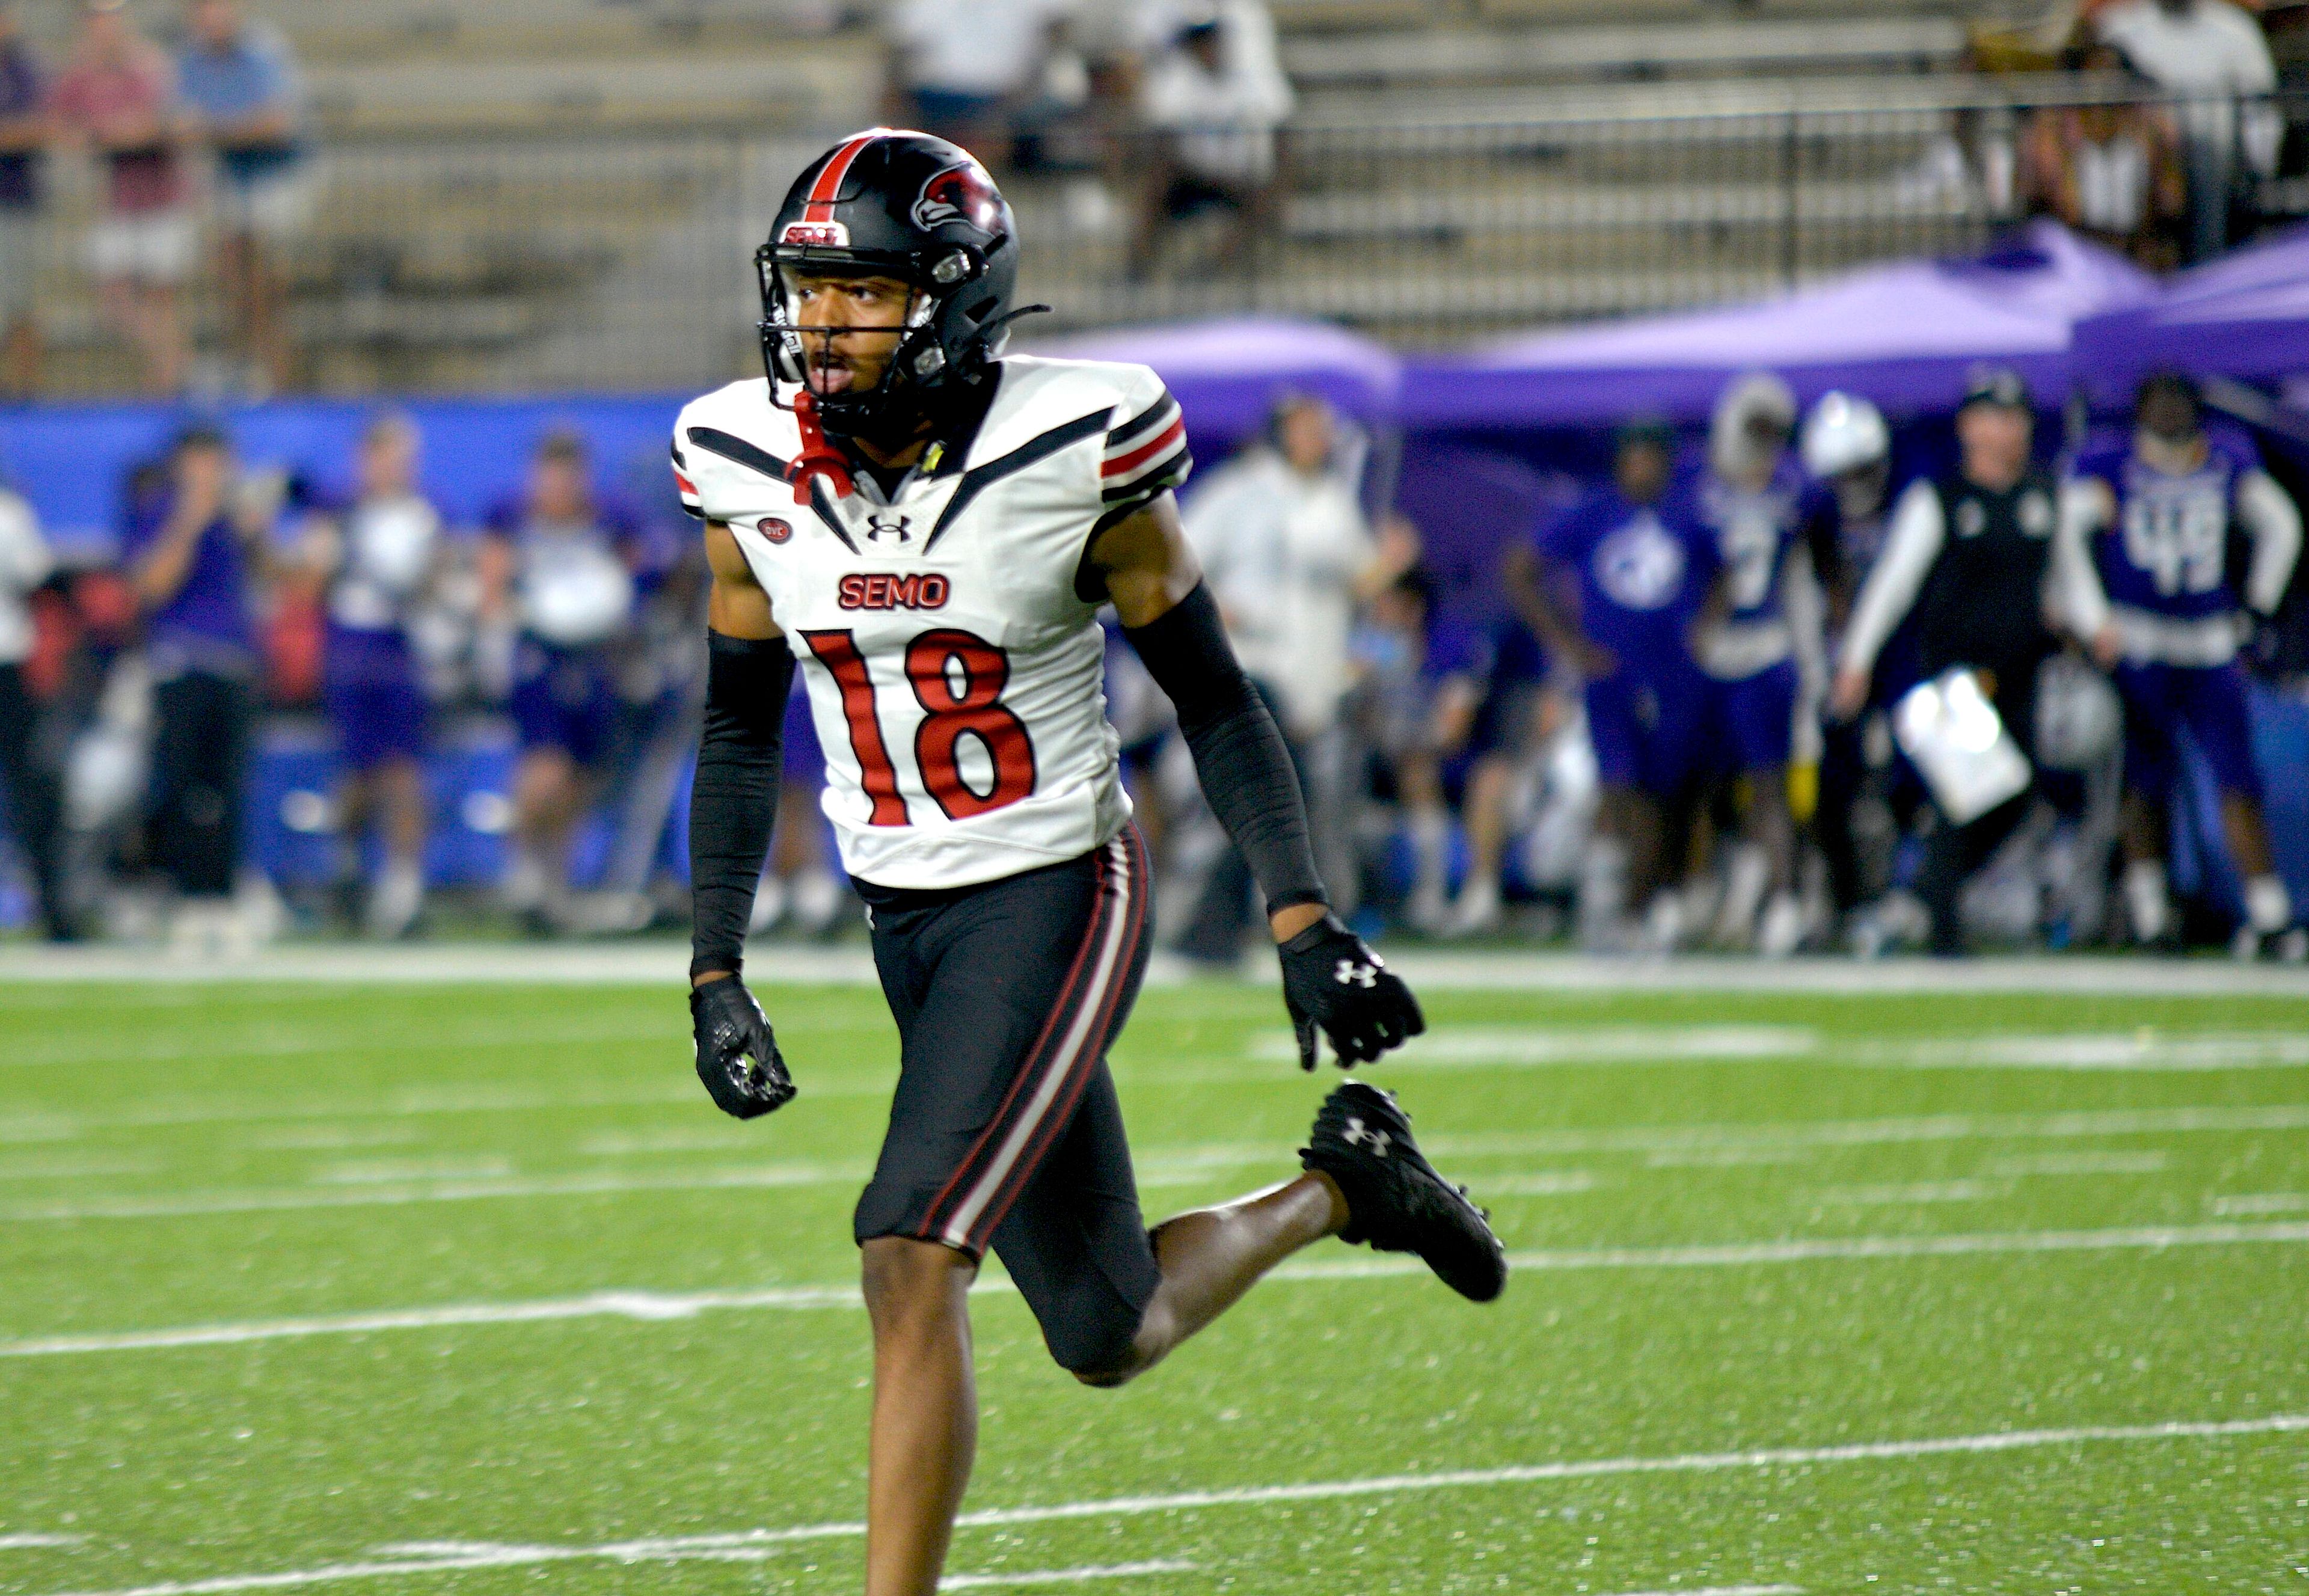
[955,675]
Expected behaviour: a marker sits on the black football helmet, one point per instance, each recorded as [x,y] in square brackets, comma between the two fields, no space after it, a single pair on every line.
[891,203]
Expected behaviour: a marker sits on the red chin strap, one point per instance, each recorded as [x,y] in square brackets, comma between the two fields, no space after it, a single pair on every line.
[819,458]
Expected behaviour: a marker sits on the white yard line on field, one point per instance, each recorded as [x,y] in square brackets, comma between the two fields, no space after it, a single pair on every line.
[1061,1576]
[2263,1202]
[1481,1046]
[451,1557]
[2148,1161]
[653,1305]
[1719,1141]
[1726,1590]
[1901,1196]
[35,1543]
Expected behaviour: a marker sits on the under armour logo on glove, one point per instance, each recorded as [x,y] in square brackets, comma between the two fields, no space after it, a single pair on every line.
[1359,1133]
[1335,986]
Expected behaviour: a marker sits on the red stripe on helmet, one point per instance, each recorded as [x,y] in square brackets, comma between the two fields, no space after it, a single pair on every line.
[828,187]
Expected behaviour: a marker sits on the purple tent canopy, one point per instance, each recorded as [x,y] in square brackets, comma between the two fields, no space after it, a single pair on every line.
[1226,373]
[1904,334]
[2246,316]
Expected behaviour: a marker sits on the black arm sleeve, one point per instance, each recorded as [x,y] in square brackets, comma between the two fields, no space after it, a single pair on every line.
[734,802]
[1239,754]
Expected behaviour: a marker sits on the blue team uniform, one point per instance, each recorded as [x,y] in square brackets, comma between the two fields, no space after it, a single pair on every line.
[2164,565]
[370,680]
[1748,660]
[1645,571]
[574,592]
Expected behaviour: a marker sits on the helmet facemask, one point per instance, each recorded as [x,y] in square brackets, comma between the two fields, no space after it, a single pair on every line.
[922,367]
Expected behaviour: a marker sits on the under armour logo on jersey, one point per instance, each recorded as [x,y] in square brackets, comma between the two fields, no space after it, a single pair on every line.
[1359,1133]
[878,522]
[1352,973]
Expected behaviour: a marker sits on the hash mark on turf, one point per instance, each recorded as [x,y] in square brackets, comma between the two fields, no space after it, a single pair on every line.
[748,1544]
[34,1543]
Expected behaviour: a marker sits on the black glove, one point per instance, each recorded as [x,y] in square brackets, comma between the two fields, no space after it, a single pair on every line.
[736,1057]
[1332,981]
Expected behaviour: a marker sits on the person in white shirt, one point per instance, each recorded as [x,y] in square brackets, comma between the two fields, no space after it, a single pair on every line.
[955,69]
[1215,95]
[2213,55]
[1288,554]
[35,817]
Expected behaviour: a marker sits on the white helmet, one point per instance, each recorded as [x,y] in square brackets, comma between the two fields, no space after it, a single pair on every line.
[1844,433]
[1754,406]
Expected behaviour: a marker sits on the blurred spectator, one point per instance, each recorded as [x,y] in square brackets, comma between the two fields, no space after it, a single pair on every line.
[35,814]
[2212,55]
[192,564]
[1285,545]
[1759,649]
[1616,586]
[1515,716]
[242,97]
[1215,95]
[117,98]
[2113,172]
[961,71]
[1415,707]
[22,131]
[1864,799]
[383,552]
[2161,614]
[1971,552]
[557,571]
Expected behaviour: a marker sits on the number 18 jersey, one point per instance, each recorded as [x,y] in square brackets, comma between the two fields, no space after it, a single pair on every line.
[954,674]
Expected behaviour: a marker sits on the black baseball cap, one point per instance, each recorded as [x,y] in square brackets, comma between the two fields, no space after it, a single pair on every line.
[2000,385]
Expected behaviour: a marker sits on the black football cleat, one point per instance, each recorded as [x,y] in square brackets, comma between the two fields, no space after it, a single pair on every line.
[1395,1200]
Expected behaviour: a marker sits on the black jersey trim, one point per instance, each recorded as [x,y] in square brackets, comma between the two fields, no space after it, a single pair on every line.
[1155,415]
[979,477]
[752,457]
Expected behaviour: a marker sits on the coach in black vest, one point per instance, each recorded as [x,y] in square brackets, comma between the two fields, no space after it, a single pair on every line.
[1970,552]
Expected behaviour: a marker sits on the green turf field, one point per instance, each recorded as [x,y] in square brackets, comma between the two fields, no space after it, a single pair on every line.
[434,1289]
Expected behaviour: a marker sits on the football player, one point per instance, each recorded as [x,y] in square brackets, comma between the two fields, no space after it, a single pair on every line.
[1643,566]
[2165,618]
[931,529]
[1762,655]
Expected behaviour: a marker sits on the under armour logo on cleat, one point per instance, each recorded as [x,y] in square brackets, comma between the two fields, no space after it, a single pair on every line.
[1358,1132]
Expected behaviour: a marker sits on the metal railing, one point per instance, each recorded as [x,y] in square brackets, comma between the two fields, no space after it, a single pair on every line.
[621,261]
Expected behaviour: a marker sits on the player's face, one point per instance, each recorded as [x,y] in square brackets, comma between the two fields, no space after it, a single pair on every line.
[1860,491]
[1642,470]
[1994,438]
[558,489]
[389,461]
[2169,415]
[850,355]
[1307,438]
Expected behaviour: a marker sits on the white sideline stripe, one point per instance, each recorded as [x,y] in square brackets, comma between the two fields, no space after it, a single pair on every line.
[657,1305]
[450,1557]
[1727,1591]
[2265,1202]
[32,1543]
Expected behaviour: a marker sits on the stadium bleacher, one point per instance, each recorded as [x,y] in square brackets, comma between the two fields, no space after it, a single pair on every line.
[521,194]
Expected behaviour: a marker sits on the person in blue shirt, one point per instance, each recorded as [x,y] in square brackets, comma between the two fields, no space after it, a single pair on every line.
[1760,651]
[239,85]
[192,566]
[2157,510]
[1638,568]
[558,566]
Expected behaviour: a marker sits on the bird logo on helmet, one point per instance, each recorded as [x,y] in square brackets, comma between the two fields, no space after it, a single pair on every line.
[896,203]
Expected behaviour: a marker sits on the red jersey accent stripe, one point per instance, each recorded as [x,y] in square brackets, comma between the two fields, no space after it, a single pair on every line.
[828,187]
[685,484]
[1122,464]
